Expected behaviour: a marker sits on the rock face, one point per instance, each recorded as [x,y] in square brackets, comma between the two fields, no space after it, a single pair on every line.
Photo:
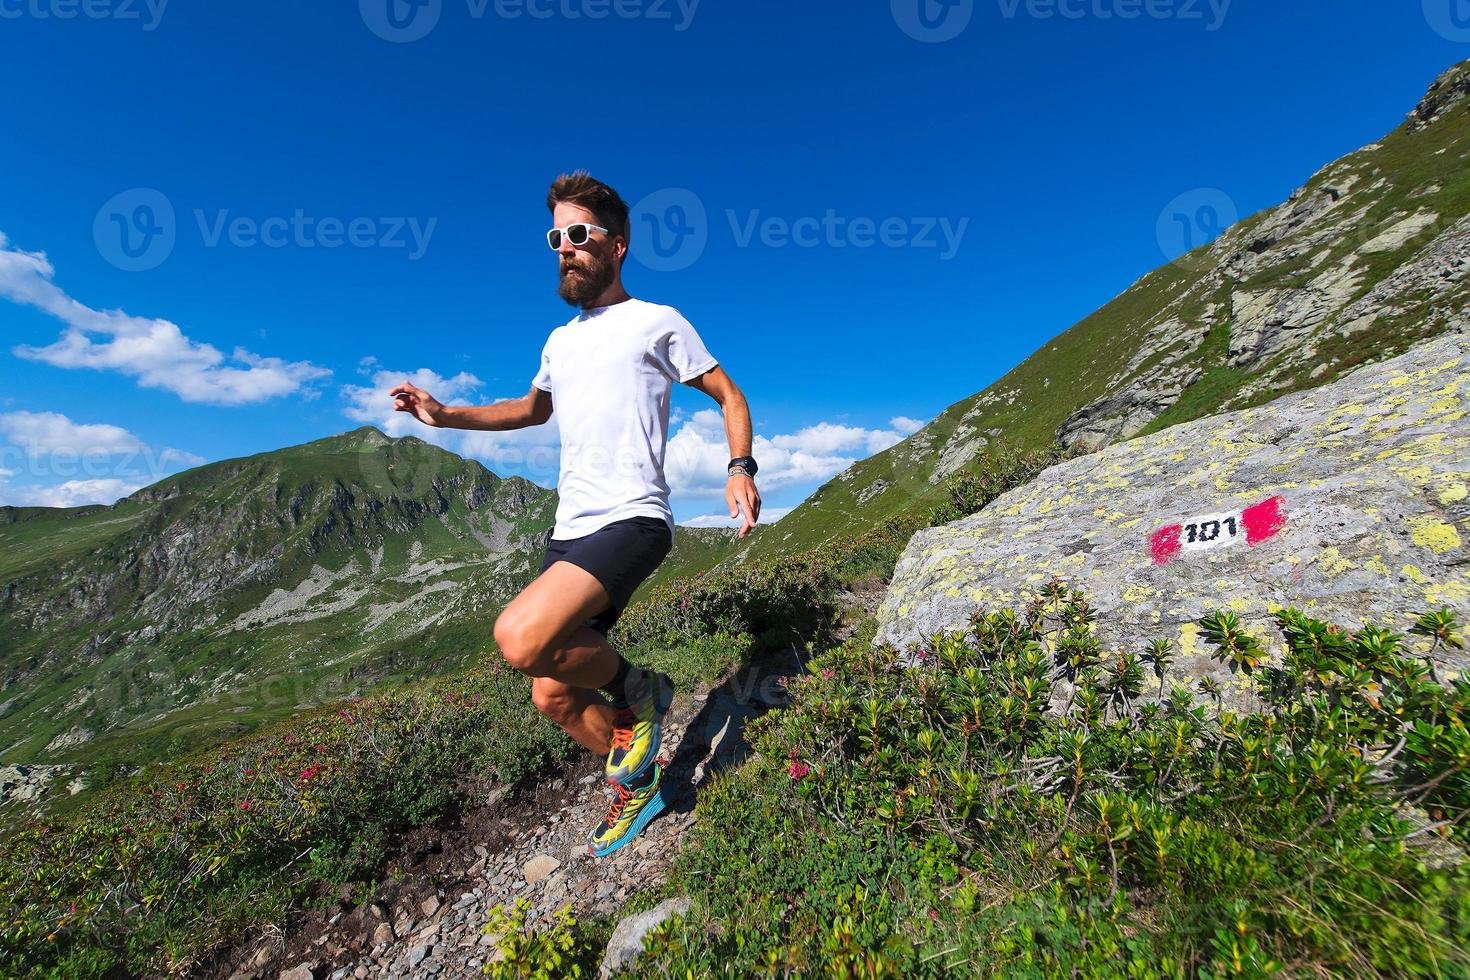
[1351,502]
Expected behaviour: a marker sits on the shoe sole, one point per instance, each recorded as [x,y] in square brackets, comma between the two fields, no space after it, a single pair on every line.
[615,778]
[650,810]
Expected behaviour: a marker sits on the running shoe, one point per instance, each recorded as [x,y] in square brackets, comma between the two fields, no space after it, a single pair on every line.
[628,814]
[637,730]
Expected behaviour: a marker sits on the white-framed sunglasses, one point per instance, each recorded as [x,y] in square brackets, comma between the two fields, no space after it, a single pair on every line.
[577,233]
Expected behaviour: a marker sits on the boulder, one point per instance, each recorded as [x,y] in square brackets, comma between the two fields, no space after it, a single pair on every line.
[626,943]
[1350,502]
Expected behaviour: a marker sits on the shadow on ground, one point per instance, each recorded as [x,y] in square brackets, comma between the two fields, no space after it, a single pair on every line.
[714,739]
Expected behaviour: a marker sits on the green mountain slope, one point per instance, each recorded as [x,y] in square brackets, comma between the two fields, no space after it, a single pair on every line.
[1365,259]
[240,591]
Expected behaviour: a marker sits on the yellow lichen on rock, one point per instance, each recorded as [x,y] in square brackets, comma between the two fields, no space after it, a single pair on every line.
[1432,533]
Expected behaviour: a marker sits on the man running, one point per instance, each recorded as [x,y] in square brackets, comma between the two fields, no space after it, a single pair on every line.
[609,370]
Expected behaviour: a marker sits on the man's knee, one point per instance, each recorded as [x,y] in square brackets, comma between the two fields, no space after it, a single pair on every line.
[521,642]
[551,701]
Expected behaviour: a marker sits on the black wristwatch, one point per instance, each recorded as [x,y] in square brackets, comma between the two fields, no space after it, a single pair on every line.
[742,464]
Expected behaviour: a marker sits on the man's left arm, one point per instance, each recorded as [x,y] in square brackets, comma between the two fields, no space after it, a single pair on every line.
[740,488]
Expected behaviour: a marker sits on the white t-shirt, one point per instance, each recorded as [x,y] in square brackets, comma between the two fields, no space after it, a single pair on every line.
[610,370]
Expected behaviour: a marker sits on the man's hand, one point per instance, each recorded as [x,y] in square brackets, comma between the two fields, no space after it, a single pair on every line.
[407,398]
[740,490]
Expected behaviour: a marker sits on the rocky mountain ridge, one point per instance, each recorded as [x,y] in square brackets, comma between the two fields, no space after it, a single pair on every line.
[243,589]
[1368,257]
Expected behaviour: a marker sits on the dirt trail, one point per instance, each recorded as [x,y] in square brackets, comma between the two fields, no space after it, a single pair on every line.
[426,920]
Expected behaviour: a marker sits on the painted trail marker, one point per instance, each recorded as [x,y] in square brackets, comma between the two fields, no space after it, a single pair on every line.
[1252,525]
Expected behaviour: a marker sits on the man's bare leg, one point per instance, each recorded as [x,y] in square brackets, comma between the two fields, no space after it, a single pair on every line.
[543,633]
[579,711]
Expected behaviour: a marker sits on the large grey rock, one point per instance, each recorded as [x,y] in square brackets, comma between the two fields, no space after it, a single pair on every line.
[1371,474]
[626,943]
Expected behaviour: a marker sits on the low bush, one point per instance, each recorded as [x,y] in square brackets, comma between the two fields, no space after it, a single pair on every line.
[159,869]
[1024,802]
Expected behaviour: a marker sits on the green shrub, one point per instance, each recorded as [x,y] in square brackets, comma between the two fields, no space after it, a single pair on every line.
[160,868]
[523,953]
[980,814]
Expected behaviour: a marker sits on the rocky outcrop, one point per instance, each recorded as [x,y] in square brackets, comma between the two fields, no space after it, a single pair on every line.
[1351,502]
[1125,414]
[1449,91]
[1365,244]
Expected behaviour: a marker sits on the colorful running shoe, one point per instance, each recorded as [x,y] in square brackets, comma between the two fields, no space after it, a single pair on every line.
[637,730]
[628,814]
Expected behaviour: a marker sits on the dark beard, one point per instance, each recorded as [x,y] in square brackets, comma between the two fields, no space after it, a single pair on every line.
[591,282]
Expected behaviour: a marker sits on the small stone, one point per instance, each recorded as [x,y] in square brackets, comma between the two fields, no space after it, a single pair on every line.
[302,971]
[382,935]
[418,954]
[429,906]
[539,867]
[482,850]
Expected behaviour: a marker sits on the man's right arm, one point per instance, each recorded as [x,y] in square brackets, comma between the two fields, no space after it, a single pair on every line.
[532,408]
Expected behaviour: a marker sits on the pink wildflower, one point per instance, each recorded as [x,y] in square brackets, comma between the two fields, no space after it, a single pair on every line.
[798,769]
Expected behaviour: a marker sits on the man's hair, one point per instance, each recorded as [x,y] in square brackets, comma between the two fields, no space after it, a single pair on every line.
[586,191]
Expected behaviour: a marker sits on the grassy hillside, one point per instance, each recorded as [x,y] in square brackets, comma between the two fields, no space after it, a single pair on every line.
[1337,234]
[242,591]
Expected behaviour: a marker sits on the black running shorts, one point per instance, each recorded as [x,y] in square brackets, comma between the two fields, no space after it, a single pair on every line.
[620,555]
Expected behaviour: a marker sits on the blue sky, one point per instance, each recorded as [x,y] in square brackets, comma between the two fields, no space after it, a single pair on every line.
[868,210]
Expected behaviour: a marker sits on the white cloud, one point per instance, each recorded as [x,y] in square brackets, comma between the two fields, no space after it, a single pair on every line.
[41,433]
[698,452]
[768,515]
[96,462]
[694,462]
[155,352]
[531,451]
[72,493]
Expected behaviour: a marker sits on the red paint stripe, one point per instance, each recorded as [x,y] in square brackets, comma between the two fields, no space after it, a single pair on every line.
[1165,544]
[1263,520]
